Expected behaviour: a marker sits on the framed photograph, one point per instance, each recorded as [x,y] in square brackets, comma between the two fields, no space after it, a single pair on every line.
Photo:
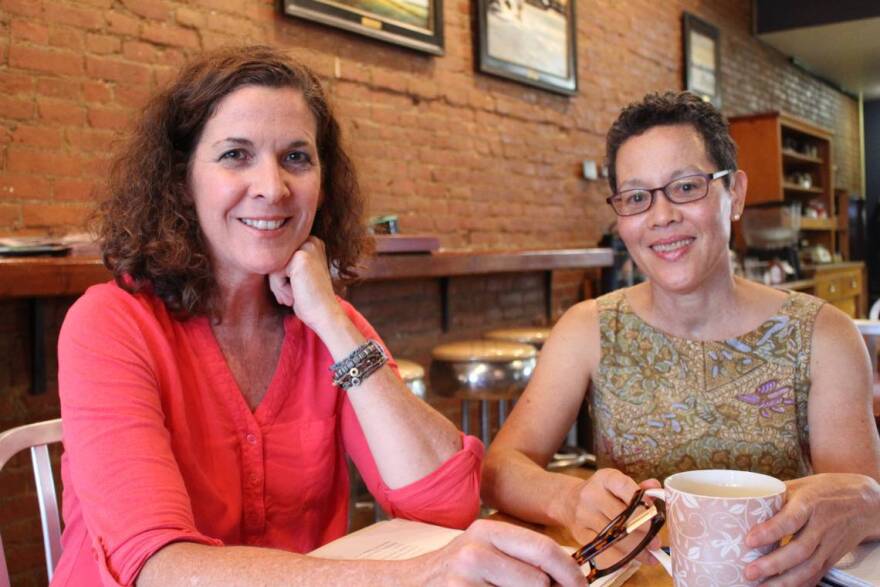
[529,41]
[417,24]
[702,59]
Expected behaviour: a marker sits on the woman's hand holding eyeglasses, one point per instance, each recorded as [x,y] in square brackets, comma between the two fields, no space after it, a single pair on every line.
[598,500]
[495,553]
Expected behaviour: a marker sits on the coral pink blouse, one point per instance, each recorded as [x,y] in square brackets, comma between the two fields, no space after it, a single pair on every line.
[160,445]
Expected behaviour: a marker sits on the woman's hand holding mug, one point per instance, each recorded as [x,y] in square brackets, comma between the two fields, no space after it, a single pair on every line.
[709,514]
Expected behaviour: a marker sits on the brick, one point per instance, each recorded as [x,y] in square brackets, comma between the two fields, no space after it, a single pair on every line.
[190,18]
[90,139]
[102,44]
[16,108]
[61,111]
[74,189]
[32,8]
[38,59]
[24,160]
[153,9]
[122,24]
[29,30]
[24,186]
[112,69]
[53,215]
[38,136]
[174,36]
[82,17]
[97,91]
[132,96]
[67,38]
[12,83]
[233,6]
[58,87]
[139,51]
[10,215]
[109,118]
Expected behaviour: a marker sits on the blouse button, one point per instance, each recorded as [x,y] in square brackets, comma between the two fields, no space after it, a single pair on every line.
[251,438]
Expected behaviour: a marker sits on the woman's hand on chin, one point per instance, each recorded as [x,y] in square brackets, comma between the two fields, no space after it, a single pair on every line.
[305,285]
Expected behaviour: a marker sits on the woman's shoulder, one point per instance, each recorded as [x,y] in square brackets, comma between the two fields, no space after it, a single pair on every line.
[109,305]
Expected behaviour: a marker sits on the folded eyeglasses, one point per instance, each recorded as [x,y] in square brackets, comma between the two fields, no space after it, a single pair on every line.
[619,528]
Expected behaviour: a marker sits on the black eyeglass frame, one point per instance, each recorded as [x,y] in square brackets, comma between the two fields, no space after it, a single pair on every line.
[614,532]
[709,177]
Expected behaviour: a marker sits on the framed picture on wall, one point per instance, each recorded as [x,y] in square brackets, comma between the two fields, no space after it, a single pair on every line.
[529,41]
[702,58]
[417,24]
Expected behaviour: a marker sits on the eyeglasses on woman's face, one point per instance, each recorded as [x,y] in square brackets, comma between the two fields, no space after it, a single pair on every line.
[683,190]
[617,529]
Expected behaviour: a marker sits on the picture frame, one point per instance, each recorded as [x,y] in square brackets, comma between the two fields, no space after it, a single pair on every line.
[415,24]
[702,58]
[533,42]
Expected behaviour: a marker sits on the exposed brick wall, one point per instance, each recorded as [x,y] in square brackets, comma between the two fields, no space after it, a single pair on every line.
[482,162]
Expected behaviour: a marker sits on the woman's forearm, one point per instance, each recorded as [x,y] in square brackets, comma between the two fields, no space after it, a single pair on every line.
[185,564]
[516,485]
[407,438]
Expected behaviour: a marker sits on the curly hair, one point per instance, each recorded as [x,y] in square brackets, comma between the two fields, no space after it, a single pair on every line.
[667,109]
[149,232]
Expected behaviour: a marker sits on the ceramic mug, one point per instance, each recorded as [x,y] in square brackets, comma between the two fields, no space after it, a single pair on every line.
[709,513]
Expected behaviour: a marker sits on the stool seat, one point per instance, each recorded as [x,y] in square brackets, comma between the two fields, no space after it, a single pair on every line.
[482,369]
[482,350]
[535,335]
[413,376]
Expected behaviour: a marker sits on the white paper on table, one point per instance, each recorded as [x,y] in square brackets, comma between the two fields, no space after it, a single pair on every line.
[402,539]
[859,568]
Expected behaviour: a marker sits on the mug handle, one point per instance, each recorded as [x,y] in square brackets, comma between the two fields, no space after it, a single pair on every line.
[661,556]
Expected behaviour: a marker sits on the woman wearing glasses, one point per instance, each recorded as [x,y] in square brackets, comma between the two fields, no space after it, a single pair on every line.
[697,368]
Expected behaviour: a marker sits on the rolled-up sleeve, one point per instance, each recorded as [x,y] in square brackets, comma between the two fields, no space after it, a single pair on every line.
[123,473]
[448,496]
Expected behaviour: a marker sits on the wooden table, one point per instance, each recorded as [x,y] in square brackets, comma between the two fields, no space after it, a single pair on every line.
[646,576]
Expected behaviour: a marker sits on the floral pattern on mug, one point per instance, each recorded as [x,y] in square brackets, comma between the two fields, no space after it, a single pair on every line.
[708,538]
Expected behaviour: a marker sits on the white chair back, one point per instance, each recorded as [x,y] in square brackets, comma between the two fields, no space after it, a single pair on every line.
[874,312]
[36,437]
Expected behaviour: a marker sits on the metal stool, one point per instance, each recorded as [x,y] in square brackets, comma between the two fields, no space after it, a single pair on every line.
[481,370]
[413,376]
[535,336]
[570,455]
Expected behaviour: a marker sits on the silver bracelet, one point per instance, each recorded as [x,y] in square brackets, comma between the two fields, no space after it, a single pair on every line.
[360,364]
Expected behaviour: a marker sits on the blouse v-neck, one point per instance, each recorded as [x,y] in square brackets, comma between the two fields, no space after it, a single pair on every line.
[222,379]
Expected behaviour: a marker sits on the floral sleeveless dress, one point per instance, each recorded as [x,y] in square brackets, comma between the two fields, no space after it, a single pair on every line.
[663,404]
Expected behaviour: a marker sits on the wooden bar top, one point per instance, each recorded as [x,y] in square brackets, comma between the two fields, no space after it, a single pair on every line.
[28,277]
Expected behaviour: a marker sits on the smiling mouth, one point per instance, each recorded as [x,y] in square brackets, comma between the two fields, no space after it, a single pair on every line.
[263,224]
[673,246]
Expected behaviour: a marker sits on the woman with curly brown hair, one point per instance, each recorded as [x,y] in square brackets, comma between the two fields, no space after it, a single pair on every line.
[205,424]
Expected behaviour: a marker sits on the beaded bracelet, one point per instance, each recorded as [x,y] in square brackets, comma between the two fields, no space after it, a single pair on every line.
[360,364]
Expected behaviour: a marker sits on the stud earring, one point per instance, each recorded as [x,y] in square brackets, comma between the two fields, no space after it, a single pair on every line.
[735,217]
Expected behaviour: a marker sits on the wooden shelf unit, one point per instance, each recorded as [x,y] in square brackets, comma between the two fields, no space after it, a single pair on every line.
[774,146]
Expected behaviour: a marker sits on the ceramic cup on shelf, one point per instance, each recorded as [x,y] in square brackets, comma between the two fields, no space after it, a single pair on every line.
[709,513]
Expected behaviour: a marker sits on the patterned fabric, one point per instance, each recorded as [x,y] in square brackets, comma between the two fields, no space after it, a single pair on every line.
[663,404]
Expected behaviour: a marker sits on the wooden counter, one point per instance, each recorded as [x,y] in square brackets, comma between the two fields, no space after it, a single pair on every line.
[29,277]
[35,278]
